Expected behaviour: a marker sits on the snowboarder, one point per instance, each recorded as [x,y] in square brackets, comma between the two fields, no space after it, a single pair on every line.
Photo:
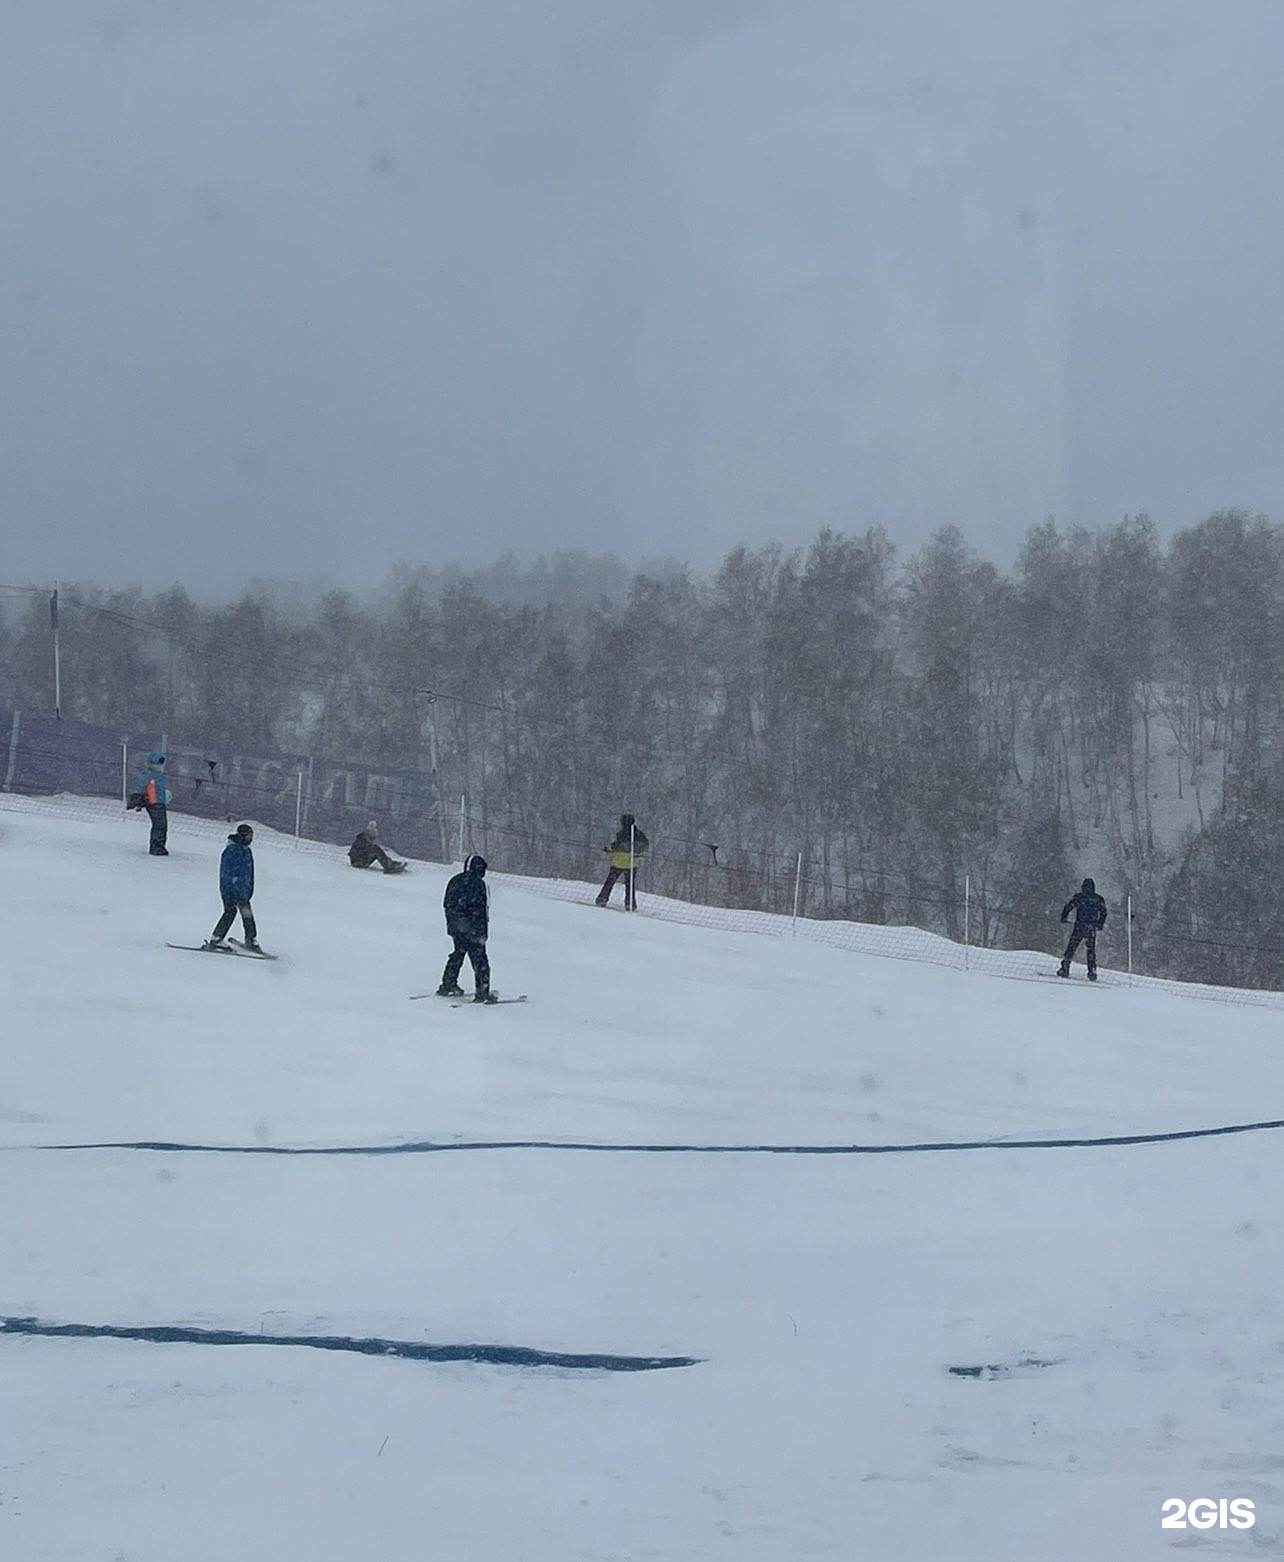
[236,885]
[1089,918]
[365,851]
[627,851]
[467,906]
[153,795]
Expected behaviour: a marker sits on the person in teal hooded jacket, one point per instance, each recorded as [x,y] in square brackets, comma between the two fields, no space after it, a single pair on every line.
[155,797]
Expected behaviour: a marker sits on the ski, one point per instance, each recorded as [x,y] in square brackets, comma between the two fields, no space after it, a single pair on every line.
[238,953]
[459,1001]
[253,954]
[471,1003]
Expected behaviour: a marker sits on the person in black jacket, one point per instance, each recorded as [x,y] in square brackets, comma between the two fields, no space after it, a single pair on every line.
[1089,918]
[627,851]
[365,851]
[467,906]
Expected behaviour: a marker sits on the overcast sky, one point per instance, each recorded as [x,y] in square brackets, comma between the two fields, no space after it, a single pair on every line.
[292,287]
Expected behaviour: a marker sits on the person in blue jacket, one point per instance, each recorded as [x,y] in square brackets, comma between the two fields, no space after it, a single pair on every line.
[154,796]
[236,885]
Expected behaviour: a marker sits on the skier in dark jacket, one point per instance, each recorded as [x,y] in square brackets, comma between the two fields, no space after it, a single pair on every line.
[627,851]
[365,851]
[1089,918]
[467,906]
[236,885]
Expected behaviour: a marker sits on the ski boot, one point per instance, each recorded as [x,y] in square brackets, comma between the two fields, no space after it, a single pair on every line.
[1063,971]
[217,946]
[451,992]
[486,998]
[1092,976]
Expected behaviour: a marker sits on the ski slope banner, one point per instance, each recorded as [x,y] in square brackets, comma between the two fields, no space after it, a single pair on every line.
[327,800]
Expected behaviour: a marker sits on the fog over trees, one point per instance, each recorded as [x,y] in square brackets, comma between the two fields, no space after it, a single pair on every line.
[1111,706]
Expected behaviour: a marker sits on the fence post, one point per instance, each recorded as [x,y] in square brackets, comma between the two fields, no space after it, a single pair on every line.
[124,774]
[13,751]
[298,807]
[967,921]
[462,804]
[307,791]
[1130,938]
[57,653]
[797,891]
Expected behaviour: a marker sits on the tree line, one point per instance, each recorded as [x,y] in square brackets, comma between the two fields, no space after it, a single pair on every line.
[1108,706]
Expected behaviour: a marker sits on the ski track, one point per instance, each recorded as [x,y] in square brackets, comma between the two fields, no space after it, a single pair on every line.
[430,1147]
[410,1350]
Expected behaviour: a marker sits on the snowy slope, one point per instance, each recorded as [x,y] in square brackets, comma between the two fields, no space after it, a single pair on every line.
[826,1296]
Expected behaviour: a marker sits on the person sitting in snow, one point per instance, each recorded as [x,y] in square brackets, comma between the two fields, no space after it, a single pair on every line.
[365,851]
[1089,918]
[236,885]
[467,907]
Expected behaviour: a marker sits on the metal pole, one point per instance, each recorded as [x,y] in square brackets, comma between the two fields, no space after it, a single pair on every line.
[797,891]
[632,885]
[298,809]
[1130,938]
[124,774]
[462,804]
[967,921]
[57,650]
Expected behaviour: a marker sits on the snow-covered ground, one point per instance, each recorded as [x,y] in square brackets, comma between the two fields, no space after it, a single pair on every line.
[826,1296]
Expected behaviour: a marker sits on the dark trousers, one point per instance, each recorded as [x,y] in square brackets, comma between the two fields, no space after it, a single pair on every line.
[1087,936]
[475,949]
[377,855]
[159,816]
[230,908]
[629,875]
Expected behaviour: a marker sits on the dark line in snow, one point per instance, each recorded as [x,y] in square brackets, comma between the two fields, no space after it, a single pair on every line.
[430,1146]
[411,1350]
[1002,1369]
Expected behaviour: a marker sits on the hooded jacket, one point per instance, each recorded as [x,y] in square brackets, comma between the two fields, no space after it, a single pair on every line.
[467,902]
[151,781]
[236,871]
[629,845]
[1088,907]
[362,851]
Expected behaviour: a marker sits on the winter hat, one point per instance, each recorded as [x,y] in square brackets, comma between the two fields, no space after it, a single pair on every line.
[626,821]
[476,865]
[245,832]
[156,757]
[1089,887]
[372,829]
